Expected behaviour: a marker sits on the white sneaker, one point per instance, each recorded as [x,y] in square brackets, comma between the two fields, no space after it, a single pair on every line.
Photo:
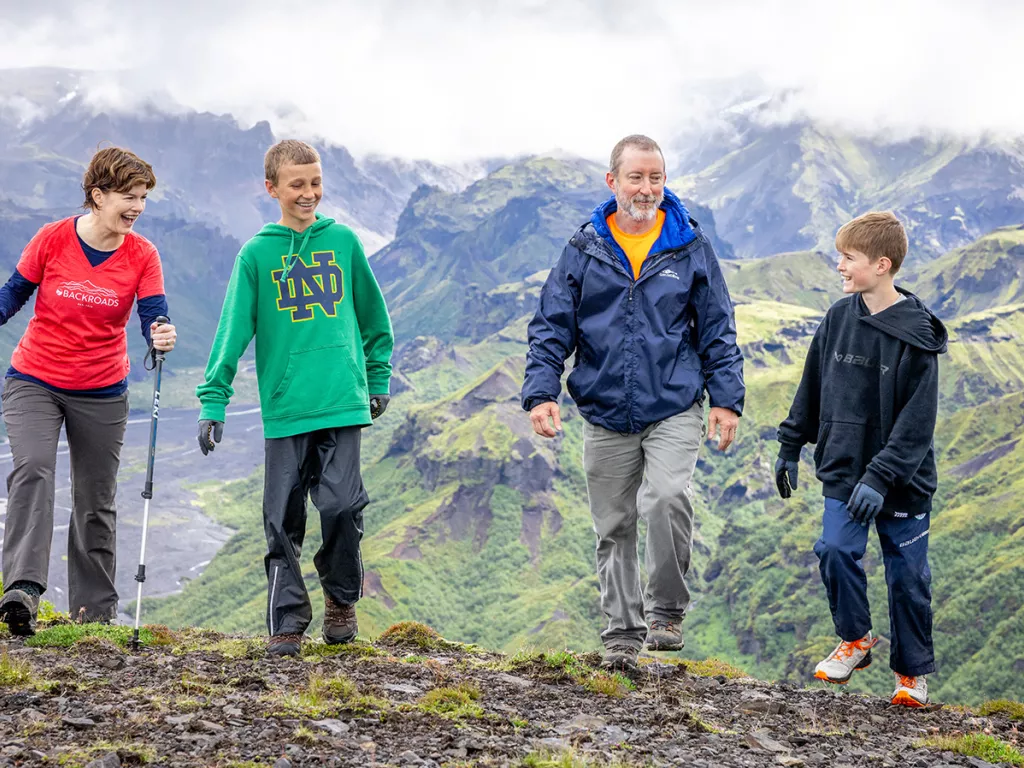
[847,657]
[910,691]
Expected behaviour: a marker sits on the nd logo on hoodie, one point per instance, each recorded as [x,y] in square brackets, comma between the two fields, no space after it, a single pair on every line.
[301,287]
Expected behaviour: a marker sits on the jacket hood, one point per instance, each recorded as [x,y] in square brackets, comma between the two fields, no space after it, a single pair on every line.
[676,232]
[909,321]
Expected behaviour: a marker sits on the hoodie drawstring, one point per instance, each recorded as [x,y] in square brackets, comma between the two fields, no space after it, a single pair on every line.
[292,254]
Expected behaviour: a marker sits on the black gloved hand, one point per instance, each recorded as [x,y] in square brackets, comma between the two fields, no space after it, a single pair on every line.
[378,404]
[865,503]
[208,427]
[786,473]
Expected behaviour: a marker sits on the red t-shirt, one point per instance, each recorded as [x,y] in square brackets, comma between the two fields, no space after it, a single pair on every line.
[77,337]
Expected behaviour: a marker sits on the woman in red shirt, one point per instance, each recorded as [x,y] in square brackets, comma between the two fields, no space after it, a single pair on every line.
[70,368]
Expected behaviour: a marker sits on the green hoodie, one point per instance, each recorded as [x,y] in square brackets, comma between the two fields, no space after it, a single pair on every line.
[323,335]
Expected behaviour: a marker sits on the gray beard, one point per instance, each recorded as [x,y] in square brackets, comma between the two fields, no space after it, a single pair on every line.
[635,213]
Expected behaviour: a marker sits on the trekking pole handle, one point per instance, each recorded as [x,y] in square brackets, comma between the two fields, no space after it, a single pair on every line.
[158,354]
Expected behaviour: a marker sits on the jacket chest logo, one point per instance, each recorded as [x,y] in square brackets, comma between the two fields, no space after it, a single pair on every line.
[866,362]
[320,284]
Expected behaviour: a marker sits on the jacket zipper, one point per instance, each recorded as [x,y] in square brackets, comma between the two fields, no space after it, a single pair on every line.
[662,257]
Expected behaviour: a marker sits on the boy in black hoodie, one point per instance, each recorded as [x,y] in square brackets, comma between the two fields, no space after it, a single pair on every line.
[868,400]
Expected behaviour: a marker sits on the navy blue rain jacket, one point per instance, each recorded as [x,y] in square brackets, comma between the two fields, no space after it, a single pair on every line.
[646,349]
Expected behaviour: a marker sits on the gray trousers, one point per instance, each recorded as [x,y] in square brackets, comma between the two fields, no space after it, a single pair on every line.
[323,465]
[646,474]
[95,429]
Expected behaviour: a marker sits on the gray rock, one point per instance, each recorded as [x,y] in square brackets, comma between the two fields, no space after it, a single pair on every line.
[209,727]
[581,723]
[789,761]
[410,758]
[762,741]
[81,723]
[977,762]
[412,690]
[232,711]
[557,745]
[110,662]
[109,760]
[612,734]
[283,762]
[333,727]
[513,680]
[179,719]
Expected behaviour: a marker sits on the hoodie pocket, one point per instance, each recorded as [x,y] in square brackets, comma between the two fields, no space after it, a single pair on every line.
[318,379]
[844,450]
[819,446]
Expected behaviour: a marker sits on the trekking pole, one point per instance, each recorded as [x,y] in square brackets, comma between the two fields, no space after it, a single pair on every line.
[147,491]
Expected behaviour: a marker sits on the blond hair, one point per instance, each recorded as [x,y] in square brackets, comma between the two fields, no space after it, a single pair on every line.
[287,151]
[876,234]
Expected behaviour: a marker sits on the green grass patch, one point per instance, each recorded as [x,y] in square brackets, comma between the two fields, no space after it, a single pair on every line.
[610,684]
[452,703]
[13,671]
[327,695]
[66,635]
[713,668]
[130,753]
[1011,710]
[569,758]
[304,735]
[413,634]
[977,745]
[356,649]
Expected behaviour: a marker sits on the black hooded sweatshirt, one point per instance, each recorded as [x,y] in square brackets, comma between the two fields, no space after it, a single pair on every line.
[868,399]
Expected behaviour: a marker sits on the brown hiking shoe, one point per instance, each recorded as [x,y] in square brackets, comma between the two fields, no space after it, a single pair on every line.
[284,645]
[340,625]
[665,635]
[620,656]
[18,610]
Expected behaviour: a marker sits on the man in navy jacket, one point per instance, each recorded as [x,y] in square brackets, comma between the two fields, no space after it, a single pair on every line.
[640,299]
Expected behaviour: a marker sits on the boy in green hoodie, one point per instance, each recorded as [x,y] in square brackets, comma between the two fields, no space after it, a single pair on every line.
[323,351]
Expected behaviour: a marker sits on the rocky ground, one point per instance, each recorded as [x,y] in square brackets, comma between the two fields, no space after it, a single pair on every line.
[199,698]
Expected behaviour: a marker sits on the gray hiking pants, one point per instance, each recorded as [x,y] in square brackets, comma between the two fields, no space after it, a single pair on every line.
[323,465]
[646,474]
[95,429]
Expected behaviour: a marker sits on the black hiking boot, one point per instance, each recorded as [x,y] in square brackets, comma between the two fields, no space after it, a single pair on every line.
[340,625]
[18,610]
[620,656]
[284,645]
[665,635]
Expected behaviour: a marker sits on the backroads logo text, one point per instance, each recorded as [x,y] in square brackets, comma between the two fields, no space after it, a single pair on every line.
[87,293]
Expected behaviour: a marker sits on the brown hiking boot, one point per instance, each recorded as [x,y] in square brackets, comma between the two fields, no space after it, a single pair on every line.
[620,656]
[18,610]
[665,635]
[340,625]
[284,645]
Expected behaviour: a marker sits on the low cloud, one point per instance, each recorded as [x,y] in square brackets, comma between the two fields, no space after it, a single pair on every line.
[459,79]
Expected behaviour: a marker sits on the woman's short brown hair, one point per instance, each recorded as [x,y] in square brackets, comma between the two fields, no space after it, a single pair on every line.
[113,169]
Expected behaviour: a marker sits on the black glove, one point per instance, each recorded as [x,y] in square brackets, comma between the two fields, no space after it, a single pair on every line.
[786,473]
[208,427]
[865,504]
[378,404]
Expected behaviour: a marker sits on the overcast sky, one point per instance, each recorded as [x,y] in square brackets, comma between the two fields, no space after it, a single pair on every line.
[452,79]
